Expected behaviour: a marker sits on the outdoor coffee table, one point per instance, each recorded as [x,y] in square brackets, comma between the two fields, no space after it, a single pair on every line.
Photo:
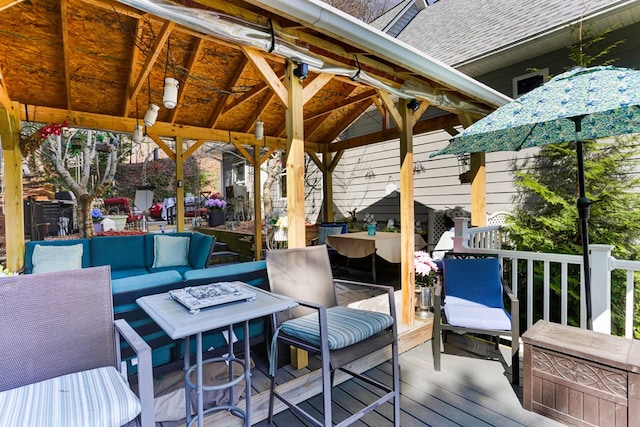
[176,320]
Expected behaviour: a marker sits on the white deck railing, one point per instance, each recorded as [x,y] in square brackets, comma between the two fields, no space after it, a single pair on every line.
[540,299]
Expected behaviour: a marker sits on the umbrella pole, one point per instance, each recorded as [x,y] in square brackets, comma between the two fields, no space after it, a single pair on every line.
[583,205]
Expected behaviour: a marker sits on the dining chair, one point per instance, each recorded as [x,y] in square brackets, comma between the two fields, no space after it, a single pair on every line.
[329,229]
[60,359]
[470,299]
[340,335]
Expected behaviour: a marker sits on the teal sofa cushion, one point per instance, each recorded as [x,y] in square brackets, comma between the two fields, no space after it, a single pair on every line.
[30,246]
[170,251]
[119,274]
[199,249]
[120,252]
[146,281]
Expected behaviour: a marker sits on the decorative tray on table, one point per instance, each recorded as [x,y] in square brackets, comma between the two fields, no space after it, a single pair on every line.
[199,297]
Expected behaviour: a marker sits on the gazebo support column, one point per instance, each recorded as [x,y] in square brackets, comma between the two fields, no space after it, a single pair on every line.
[13,195]
[295,159]
[407,222]
[257,205]
[327,185]
[478,190]
[179,185]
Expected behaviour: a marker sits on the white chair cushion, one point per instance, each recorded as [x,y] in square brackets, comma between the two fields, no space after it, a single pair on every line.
[97,397]
[468,314]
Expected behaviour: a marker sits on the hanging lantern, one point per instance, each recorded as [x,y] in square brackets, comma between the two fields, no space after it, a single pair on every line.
[151,115]
[137,134]
[259,130]
[170,97]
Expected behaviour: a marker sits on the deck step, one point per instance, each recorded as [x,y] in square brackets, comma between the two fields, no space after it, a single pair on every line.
[220,247]
[224,257]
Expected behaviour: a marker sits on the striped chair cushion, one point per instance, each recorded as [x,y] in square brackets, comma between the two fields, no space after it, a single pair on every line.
[97,397]
[346,326]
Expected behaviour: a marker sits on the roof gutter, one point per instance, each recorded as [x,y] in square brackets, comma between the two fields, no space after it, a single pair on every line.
[345,27]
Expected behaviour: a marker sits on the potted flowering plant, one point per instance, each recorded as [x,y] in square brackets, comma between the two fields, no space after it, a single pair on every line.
[216,206]
[426,271]
[96,217]
[370,222]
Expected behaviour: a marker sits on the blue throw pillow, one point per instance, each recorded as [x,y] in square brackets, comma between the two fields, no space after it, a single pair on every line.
[170,251]
[47,259]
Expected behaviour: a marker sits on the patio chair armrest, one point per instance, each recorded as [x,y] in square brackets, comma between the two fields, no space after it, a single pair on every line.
[145,369]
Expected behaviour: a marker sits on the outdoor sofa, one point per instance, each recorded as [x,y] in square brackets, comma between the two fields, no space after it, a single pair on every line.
[146,265]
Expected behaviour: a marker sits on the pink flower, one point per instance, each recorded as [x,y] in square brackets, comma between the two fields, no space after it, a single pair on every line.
[424,266]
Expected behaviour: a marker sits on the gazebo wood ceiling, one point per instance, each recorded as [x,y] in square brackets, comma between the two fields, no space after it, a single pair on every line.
[92,62]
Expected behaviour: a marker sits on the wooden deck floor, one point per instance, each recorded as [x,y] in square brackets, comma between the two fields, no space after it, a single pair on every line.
[472,389]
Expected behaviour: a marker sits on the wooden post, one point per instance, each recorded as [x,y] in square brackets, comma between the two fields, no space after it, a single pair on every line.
[13,195]
[179,185]
[327,185]
[257,205]
[407,216]
[478,190]
[295,159]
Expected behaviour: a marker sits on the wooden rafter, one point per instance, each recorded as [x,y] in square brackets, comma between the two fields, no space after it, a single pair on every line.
[65,51]
[161,40]
[390,106]
[220,107]
[5,4]
[346,121]
[350,100]
[310,129]
[267,73]
[258,111]
[423,126]
[314,86]
[193,58]
[135,50]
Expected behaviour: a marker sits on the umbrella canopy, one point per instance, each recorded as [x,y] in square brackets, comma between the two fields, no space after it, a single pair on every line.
[607,97]
[583,103]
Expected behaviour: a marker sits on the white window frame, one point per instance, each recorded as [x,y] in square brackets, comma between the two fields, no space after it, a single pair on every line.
[544,72]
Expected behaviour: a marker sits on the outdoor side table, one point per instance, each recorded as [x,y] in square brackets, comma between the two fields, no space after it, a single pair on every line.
[178,323]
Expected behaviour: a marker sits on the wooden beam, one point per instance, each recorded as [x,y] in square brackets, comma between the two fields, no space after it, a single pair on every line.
[314,86]
[327,186]
[6,4]
[189,151]
[5,101]
[125,125]
[257,205]
[267,73]
[12,180]
[420,111]
[423,126]
[407,215]
[65,51]
[135,50]
[164,147]
[179,185]
[295,159]
[266,155]
[478,190]
[390,106]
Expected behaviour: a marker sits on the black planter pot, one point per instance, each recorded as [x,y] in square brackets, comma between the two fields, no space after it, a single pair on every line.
[216,218]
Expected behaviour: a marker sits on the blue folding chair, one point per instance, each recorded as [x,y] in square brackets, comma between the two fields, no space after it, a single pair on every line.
[470,300]
[329,229]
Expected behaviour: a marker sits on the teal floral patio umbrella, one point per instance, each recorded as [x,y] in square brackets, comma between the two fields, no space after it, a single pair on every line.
[583,103]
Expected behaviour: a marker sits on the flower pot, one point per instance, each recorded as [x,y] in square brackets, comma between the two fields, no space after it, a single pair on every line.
[120,220]
[216,218]
[97,227]
[371,230]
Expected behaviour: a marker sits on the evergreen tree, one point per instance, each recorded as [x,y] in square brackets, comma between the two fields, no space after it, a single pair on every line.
[546,218]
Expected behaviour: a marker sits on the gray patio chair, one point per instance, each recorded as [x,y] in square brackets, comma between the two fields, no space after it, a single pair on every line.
[60,358]
[339,334]
[470,300]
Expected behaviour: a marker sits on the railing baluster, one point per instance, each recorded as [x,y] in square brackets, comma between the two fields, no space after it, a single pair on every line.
[564,292]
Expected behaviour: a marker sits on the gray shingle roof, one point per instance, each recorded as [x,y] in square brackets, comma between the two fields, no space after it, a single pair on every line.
[457,31]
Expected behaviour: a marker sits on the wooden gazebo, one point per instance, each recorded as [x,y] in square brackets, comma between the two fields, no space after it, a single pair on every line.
[302,68]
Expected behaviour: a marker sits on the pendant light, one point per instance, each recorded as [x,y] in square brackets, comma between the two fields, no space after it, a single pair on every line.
[137,131]
[259,130]
[152,112]
[170,96]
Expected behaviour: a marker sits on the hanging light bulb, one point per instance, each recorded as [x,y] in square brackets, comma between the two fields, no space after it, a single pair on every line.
[151,115]
[259,130]
[170,97]
[137,134]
